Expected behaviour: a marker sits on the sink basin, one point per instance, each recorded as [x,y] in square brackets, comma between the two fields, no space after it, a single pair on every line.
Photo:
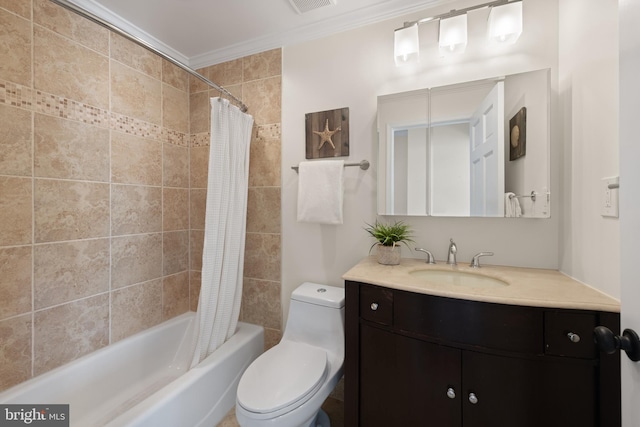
[458,278]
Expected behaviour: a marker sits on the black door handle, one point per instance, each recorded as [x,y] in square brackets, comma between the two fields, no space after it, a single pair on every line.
[609,343]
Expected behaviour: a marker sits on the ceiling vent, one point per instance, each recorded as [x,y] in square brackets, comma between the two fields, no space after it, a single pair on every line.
[304,6]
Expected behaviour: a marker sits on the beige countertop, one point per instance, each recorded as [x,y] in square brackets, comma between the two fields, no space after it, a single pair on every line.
[526,286]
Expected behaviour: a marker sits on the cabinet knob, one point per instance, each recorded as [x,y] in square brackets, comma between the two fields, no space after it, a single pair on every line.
[473,398]
[573,337]
[451,393]
[374,306]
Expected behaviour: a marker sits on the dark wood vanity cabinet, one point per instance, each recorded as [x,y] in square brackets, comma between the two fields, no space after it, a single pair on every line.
[421,360]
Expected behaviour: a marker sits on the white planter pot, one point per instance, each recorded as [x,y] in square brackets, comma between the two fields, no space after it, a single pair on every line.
[388,255]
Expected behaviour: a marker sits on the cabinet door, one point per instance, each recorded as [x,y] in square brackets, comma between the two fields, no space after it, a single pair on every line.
[549,392]
[404,381]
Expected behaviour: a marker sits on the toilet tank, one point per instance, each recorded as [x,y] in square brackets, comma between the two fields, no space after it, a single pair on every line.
[316,316]
[314,293]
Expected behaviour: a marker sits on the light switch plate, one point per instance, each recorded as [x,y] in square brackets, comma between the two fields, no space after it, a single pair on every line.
[610,191]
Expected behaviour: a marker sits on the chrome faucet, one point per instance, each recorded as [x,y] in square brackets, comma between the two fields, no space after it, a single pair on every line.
[475,262]
[453,250]
[430,259]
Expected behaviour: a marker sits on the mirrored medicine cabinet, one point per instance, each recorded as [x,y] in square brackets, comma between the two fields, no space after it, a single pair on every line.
[474,149]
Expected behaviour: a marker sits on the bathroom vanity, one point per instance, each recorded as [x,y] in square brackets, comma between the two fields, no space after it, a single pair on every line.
[517,350]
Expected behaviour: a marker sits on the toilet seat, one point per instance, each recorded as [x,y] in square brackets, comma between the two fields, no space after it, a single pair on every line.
[283,378]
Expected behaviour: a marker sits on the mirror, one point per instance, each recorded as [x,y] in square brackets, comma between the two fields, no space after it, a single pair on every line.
[477,148]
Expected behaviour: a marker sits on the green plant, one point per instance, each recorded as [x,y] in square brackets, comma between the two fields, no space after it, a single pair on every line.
[390,234]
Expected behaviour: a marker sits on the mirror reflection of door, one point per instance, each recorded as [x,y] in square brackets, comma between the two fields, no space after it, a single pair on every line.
[464,123]
[487,155]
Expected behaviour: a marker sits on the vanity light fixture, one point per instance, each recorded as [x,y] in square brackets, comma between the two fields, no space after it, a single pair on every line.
[505,25]
[406,44]
[453,34]
[505,22]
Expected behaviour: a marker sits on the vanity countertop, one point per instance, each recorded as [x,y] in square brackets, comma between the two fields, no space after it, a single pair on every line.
[527,286]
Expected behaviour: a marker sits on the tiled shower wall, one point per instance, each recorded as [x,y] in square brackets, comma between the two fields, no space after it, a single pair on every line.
[98,171]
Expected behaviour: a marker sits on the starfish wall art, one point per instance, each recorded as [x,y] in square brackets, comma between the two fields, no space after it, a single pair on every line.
[327,133]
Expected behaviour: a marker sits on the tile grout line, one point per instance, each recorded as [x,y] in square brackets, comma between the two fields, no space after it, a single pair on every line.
[33,204]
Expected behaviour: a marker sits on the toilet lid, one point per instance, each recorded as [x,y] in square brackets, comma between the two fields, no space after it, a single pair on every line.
[284,375]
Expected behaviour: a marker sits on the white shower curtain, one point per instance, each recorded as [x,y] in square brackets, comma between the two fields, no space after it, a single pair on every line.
[225,229]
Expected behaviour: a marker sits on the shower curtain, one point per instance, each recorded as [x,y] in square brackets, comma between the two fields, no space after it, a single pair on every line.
[225,229]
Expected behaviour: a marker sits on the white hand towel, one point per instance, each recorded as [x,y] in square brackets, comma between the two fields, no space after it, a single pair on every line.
[508,206]
[320,191]
[511,206]
[516,207]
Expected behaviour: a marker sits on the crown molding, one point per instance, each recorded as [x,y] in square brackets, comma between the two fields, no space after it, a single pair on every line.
[366,16]
[349,21]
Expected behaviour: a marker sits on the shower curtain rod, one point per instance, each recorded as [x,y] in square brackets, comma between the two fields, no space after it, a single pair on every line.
[90,16]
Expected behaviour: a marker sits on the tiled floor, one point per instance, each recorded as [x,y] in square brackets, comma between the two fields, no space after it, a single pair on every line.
[333,407]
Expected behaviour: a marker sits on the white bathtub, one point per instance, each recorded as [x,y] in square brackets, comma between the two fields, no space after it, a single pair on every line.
[135,382]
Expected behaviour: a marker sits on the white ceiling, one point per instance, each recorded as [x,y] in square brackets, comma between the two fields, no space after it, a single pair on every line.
[206,32]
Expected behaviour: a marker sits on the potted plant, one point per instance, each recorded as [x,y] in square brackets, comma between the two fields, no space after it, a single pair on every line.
[388,238]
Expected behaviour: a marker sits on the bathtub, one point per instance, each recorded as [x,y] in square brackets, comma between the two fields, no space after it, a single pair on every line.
[138,382]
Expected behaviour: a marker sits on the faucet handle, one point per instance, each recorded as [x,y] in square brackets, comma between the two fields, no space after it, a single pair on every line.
[430,259]
[475,261]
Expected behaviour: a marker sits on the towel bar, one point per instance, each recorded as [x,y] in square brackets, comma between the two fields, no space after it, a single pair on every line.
[532,195]
[364,165]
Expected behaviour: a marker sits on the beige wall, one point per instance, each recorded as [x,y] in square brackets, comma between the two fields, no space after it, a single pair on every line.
[101,188]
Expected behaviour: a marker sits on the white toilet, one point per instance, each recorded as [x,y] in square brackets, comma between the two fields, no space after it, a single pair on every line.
[286,385]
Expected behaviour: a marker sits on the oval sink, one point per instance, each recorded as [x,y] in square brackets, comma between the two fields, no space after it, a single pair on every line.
[458,278]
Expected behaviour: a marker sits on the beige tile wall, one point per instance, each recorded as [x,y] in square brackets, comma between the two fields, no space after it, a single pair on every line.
[257,80]
[94,188]
[103,176]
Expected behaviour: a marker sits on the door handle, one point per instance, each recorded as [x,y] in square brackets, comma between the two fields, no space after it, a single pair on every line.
[609,343]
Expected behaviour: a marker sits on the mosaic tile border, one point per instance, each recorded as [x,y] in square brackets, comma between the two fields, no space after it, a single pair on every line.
[135,127]
[175,137]
[272,131]
[201,139]
[16,95]
[37,101]
[261,133]
[58,106]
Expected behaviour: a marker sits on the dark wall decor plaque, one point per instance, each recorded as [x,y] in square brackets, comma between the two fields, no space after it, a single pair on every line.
[518,134]
[327,133]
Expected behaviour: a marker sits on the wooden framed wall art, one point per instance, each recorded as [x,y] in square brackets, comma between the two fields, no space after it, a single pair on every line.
[518,134]
[327,133]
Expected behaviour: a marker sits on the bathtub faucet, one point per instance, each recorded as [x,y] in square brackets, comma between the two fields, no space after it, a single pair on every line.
[453,250]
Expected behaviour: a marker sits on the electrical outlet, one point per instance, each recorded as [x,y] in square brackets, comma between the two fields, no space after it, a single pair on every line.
[610,191]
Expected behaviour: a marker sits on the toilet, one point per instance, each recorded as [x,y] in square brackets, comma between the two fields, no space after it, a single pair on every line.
[287,385]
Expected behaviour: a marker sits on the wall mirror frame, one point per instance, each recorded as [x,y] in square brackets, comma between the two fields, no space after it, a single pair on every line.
[472,149]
